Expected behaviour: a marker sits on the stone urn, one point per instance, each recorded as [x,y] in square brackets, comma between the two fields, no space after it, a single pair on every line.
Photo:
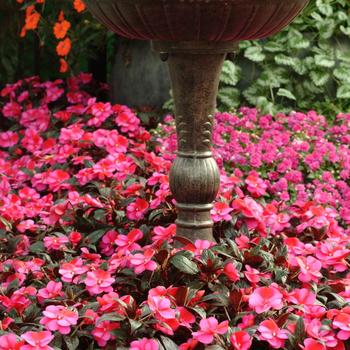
[194,36]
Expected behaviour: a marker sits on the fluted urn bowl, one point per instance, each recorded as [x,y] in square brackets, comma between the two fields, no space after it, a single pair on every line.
[196,20]
[195,36]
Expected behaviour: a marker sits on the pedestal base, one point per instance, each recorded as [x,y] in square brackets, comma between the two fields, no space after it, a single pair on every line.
[194,177]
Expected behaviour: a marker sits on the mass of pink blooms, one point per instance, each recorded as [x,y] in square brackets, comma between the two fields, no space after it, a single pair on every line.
[88,253]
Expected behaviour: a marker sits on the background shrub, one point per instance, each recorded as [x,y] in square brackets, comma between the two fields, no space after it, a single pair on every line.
[305,66]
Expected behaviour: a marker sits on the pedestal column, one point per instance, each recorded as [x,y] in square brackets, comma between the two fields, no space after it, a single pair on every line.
[194,177]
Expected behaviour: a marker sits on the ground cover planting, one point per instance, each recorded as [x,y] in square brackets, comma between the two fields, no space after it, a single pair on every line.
[88,253]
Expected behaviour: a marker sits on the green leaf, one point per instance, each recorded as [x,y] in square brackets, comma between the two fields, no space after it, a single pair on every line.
[167,343]
[285,60]
[229,97]
[254,53]
[299,332]
[230,73]
[184,264]
[342,73]
[324,61]
[37,247]
[286,93]
[343,91]
[111,317]
[71,342]
[95,236]
[319,78]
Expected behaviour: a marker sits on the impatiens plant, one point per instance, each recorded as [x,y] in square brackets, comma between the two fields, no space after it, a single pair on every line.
[89,257]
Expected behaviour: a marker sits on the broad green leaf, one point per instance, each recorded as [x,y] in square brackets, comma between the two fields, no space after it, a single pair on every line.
[343,91]
[254,53]
[286,93]
[184,264]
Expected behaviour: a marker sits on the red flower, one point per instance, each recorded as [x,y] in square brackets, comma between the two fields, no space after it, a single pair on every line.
[241,340]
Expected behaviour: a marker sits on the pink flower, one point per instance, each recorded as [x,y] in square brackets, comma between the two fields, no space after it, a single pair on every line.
[202,244]
[255,185]
[309,269]
[136,211]
[161,234]
[316,330]
[312,344]
[37,340]
[55,243]
[142,262]
[107,243]
[270,332]
[127,243]
[302,297]
[8,139]
[59,318]
[69,270]
[37,119]
[144,344]
[102,332]
[209,327]
[342,321]
[221,211]
[9,342]
[101,111]
[254,275]
[161,305]
[265,298]
[51,291]
[99,281]
[241,340]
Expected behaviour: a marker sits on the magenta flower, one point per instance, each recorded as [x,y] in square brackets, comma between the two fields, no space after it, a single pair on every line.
[210,327]
[342,321]
[144,344]
[10,342]
[309,269]
[270,332]
[255,185]
[162,306]
[55,243]
[37,340]
[221,211]
[59,318]
[51,291]
[241,340]
[142,262]
[102,332]
[99,281]
[266,298]
[136,211]
[161,234]
[127,243]
[231,272]
[312,344]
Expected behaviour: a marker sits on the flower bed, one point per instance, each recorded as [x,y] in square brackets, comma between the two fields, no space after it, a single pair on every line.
[89,257]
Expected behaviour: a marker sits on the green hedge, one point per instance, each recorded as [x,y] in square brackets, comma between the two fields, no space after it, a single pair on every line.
[305,66]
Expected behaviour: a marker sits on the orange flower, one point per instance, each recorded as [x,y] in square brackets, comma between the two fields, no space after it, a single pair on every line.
[32,21]
[63,65]
[60,29]
[61,16]
[23,32]
[32,18]
[64,46]
[79,5]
